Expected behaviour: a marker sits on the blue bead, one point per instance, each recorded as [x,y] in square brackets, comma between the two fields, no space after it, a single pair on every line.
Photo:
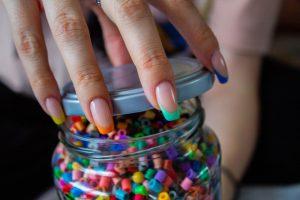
[67,177]
[121,194]
[155,186]
[196,166]
[75,192]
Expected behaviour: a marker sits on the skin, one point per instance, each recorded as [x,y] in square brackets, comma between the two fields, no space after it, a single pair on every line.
[237,122]
[129,33]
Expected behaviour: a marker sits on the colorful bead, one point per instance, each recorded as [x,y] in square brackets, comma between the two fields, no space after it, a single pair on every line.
[164,196]
[138,177]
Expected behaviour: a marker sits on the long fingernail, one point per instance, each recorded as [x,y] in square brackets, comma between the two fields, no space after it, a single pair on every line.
[219,66]
[102,115]
[166,101]
[55,110]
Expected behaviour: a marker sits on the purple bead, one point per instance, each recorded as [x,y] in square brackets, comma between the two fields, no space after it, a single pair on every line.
[185,166]
[110,166]
[210,160]
[160,176]
[172,153]
[123,137]
[191,174]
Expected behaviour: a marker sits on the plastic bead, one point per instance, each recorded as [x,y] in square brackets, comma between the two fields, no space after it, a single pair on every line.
[126,185]
[138,177]
[164,196]
[155,186]
[141,189]
[160,176]
[186,184]
[122,195]
[150,173]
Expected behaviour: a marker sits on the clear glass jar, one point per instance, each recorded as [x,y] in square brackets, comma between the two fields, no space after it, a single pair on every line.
[182,162]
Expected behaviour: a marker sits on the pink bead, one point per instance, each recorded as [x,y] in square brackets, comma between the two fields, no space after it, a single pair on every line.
[146,184]
[63,166]
[186,184]
[151,142]
[131,149]
[116,180]
[104,182]
[76,175]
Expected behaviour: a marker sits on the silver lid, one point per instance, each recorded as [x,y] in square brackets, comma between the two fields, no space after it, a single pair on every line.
[127,94]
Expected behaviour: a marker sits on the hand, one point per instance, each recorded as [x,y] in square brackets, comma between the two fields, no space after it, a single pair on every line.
[129,26]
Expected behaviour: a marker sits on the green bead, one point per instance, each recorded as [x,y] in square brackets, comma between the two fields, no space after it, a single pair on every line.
[57,172]
[69,166]
[138,135]
[140,189]
[150,174]
[161,140]
[204,174]
[141,144]
[203,147]
[192,155]
[85,162]
[147,130]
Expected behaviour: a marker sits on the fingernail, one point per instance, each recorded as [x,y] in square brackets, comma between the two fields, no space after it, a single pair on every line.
[102,115]
[55,111]
[219,67]
[166,101]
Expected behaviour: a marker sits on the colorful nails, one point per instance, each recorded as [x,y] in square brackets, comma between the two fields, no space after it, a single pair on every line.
[102,115]
[219,67]
[167,102]
[55,110]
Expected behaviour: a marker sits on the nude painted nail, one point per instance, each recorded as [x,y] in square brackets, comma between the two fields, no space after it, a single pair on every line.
[167,101]
[102,115]
[219,67]
[55,110]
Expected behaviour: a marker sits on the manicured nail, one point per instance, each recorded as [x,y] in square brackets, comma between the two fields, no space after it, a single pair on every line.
[166,101]
[55,111]
[102,115]
[219,67]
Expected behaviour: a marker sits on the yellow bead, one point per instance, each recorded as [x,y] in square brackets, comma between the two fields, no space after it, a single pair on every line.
[138,177]
[103,198]
[164,196]
[76,166]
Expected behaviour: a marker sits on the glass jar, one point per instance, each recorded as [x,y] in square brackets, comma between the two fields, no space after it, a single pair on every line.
[181,161]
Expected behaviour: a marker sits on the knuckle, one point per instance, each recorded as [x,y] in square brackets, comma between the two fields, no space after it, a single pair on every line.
[205,35]
[29,44]
[154,61]
[42,81]
[132,10]
[87,76]
[69,27]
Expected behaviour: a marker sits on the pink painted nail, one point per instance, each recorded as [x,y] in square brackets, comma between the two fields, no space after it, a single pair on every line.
[219,66]
[167,101]
[55,110]
[102,115]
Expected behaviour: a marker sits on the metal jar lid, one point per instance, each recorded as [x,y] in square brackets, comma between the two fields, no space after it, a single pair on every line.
[127,94]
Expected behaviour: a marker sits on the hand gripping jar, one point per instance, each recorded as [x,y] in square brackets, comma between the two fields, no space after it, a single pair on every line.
[146,157]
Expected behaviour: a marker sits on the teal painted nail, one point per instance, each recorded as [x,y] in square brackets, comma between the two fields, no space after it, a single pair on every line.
[170,116]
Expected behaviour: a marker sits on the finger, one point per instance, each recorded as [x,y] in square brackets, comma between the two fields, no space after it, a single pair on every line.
[186,17]
[114,44]
[136,25]
[29,41]
[70,31]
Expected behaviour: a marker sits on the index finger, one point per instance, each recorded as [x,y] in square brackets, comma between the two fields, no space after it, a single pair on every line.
[71,34]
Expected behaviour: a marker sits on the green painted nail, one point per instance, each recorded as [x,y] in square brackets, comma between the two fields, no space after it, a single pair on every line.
[170,116]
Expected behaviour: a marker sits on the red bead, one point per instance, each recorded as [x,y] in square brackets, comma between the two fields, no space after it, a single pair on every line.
[66,188]
[139,197]
[112,198]
[76,118]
